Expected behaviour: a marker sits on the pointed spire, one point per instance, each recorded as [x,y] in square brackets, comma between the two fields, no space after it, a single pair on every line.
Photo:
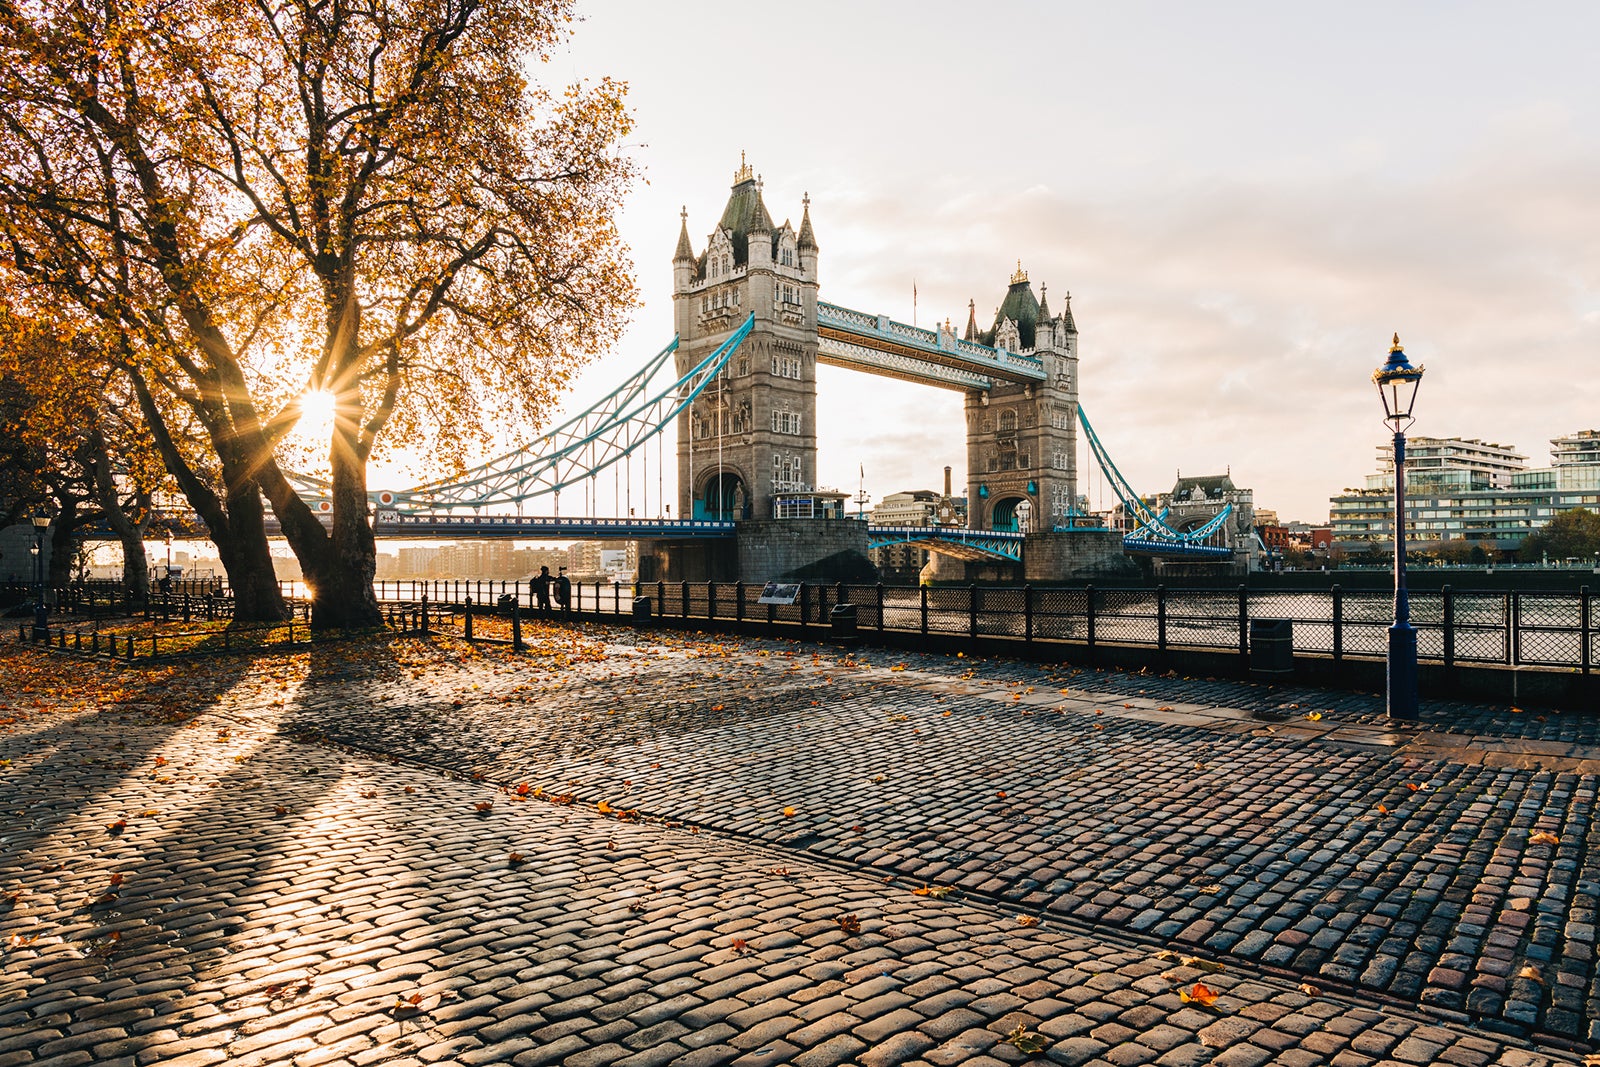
[1044,304]
[808,239]
[1066,315]
[685,249]
[972,321]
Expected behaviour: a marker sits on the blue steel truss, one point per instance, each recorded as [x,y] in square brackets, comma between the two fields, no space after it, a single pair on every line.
[1153,536]
[995,544]
[605,434]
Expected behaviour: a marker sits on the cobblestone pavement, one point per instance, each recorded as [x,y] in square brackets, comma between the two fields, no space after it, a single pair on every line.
[694,851]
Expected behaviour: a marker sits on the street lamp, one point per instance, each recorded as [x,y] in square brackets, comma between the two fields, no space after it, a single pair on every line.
[41,613]
[1397,381]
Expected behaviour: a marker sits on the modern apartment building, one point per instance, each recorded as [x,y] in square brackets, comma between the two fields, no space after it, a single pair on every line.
[1461,488]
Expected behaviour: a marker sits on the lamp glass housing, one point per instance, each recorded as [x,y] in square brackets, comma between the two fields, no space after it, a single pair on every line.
[1397,381]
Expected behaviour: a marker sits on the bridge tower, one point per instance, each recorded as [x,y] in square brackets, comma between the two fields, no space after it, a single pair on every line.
[751,437]
[1022,439]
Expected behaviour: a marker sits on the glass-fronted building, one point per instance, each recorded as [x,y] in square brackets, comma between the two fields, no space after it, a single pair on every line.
[1465,489]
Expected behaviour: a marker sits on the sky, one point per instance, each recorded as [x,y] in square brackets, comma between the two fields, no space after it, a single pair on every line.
[1245,201]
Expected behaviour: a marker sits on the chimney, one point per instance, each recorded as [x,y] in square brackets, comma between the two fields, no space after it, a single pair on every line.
[947,483]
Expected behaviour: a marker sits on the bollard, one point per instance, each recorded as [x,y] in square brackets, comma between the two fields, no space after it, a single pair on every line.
[516,627]
[424,614]
[466,632]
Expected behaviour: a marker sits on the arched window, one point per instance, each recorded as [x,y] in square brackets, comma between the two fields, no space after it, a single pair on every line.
[1008,421]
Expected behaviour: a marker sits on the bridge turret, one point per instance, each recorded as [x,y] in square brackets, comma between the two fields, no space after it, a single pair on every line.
[751,438]
[683,258]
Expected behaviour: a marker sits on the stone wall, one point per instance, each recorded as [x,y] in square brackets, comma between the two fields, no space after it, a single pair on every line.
[1075,554]
[811,550]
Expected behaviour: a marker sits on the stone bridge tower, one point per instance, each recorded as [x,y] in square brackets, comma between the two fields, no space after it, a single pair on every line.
[752,434]
[1022,440]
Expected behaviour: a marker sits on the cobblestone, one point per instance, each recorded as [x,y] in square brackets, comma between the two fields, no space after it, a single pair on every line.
[353,856]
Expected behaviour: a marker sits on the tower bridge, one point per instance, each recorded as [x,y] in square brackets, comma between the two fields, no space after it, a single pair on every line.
[750,333]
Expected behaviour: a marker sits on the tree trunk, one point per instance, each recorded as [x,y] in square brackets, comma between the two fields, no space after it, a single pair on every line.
[135,570]
[237,526]
[341,576]
[62,529]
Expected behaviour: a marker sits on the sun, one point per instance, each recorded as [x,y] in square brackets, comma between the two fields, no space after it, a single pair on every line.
[316,408]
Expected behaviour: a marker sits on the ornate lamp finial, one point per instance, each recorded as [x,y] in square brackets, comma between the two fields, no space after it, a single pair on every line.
[1021,275]
[1396,346]
[744,173]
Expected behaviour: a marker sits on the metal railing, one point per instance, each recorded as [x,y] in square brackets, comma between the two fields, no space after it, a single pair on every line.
[1469,627]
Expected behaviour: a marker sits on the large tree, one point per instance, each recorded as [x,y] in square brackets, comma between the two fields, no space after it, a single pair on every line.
[369,200]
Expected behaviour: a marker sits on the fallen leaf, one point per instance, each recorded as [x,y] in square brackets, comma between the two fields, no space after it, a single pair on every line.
[515,857]
[279,810]
[1543,837]
[1027,1042]
[603,808]
[484,805]
[116,879]
[117,827]
[1027,920]
[1532,973]
[1203,965]
[1198,995]
[850,924]
[1413,786]
[1314,716]
[788,813]
[1310,990]
[1383,809]
[740,946]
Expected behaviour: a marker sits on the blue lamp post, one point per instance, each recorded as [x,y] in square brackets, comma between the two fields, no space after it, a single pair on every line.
[1397,381]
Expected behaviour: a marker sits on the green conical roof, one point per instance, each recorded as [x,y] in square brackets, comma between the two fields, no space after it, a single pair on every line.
[1021,306]
[744,215]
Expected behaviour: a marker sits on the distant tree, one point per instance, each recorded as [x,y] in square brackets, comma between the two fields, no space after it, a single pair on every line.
[272,200]
[1571,534]
[73,433]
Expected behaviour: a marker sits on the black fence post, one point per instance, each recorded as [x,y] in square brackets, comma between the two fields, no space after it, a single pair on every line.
[1338,624]
[1027,614]
[738,601]
[711,600]
[661,597]
[805,607]
[683,598]
[972,612]
[1088,621]
[822,603]
[1449,611]
[616,598]
[1161,619]
[1244,626]
[924,590]
[1509,605]
[466,629]
[1585,630]
[880,607]
[516,626]
[424,614]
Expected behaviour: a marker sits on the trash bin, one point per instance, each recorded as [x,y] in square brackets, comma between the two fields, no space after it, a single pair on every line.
[1271,646]
[641,609]
[842,624]
[506,603]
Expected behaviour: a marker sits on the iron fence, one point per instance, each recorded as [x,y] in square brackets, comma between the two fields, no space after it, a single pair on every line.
[1544,629]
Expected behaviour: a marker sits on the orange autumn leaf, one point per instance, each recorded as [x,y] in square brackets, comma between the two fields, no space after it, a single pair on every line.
[788,813]
[1200,994]
[1543,837]
[603,808]
[740,946]
[118,826]
[1383,809]
[522,789]
[116,879]
[1027,920]
[484,805]
[850,924]
[1413,786]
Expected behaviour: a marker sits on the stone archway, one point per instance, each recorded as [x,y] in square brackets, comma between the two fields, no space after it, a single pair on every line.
[723,497]
[1011,514]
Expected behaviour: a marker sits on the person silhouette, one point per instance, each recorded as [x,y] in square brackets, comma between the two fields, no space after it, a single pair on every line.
[541,590]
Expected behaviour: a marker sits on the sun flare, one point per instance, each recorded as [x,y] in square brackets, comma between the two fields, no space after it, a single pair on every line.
[316,408]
